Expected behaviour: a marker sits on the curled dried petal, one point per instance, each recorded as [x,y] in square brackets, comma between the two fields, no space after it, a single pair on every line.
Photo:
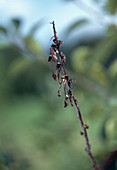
[58,65]
[70,82]
[54,40]
[60,42]
[49,58]
[51,50]
[70,92]
[54,57]
[59,93]
[54,76]
[53,46]
[66,77]
[63,58]
[65,103]
[71,102]
[66,96]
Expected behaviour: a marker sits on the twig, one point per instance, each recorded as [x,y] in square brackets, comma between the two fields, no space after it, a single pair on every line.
[59,59]
[85,127]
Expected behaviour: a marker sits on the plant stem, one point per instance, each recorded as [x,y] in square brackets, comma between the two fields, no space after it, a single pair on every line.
[88,148]
[55,48]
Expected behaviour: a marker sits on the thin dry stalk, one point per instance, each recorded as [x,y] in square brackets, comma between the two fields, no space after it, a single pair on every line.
[60,75]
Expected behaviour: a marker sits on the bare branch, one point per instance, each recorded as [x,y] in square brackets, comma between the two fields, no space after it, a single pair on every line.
[64,80]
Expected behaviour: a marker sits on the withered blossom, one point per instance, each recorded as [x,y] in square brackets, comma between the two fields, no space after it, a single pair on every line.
[64,80]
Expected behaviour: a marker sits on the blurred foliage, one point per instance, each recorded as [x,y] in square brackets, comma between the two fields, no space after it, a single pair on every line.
[36,131]
[111,6]
[74,25]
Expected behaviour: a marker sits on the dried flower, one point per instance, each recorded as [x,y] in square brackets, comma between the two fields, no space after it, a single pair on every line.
[65,103]
[86,126]
[58,65]
[54,76]
[59,93]
[50,58]
[58,58]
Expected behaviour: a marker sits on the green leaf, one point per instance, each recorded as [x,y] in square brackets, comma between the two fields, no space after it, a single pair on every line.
[98,73]
[33,45]
[112,29]
[113,68]
[35,27]
[3,30]
[18,66]
[75,25]
[111,6]
[105,48]
[112,101]
[79,58]
[110,127]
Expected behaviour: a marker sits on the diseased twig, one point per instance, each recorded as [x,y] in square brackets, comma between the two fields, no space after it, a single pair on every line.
[60,74]
[84,128]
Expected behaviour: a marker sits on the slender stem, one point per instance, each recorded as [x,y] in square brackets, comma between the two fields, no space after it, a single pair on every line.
[72,98]
[88,148]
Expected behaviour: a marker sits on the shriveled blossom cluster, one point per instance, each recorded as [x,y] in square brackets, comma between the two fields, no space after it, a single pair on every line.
[57,58]
[59,73]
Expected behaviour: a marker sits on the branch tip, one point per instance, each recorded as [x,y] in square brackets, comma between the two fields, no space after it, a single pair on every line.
[59,74]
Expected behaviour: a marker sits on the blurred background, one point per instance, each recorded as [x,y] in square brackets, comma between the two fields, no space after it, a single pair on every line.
[36,131]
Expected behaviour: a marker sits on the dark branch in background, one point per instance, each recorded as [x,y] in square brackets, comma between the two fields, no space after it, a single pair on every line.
[59,74]
[110,160]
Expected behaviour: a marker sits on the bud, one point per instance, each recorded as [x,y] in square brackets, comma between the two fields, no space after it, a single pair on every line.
[82,133]
[54,76]
[86,126]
